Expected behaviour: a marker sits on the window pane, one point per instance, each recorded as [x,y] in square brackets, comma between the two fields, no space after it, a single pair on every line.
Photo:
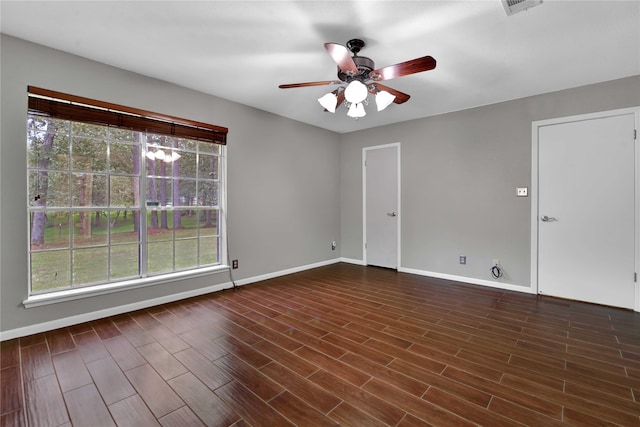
[208,167]
[122,158]
[187,224]
[124,261]
[47,149]
[186,191]
[49,230]
[89,189]
[208,222]
[122,225]
[208,250]
[50,270]
[116,134]
[208,193]
[122,190]
[89,155]
[160,257]
[185,166]
[89,228]
[186,254]
[186,144]
[49,189]
[207,147]
[159,191]
[90,266]
[86,129]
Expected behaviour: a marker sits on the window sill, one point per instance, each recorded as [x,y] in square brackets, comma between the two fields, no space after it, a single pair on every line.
[91,291]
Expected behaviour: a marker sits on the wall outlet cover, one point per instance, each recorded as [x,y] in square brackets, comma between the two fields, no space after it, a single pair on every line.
[522,191]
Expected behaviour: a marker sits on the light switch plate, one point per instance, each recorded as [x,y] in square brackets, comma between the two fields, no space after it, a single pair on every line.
[522,191]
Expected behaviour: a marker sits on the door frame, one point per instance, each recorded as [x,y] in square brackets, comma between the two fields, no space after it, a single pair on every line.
[535,223]
[364,200]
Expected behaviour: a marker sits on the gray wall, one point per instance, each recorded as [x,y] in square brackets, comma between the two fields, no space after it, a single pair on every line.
[459,177]
[283,177]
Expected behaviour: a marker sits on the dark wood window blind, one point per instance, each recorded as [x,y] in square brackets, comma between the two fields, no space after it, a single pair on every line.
[72,107]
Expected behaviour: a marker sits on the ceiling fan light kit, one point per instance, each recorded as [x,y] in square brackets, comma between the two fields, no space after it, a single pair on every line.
[358,77]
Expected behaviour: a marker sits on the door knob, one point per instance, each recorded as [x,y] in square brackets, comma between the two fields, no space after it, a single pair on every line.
[548,219]
[392,214]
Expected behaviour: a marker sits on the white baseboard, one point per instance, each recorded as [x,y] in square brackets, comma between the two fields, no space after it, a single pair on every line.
[470,280]
[113,311]
[352,261]
[285,272]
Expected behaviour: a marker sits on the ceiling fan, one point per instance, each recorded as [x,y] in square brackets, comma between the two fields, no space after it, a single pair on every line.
[358,77]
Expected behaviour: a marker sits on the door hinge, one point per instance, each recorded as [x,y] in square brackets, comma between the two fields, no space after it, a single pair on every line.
[635,277]
[635,134]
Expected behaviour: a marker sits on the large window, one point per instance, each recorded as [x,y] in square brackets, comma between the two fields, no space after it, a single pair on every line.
[109,202]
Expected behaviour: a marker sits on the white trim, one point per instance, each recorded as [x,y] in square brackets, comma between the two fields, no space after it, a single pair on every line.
[352,261]
[275,274]
[470,280]
[398,201]
[112,311]
[109,288]
[535,126]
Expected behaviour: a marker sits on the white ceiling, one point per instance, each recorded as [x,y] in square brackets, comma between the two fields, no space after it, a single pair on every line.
[242,50]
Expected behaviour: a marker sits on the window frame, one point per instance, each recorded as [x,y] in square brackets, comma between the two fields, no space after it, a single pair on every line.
[63,106]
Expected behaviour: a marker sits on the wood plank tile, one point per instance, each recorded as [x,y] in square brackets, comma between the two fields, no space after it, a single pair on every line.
[124,354]
[44,402]
[132,412]
[336,367]
[10,389]
[211,375]
[162,361]
[36,361]
[71,370]
[250,377]
[155,392]
[339,344]
[60,341]
[298,412]
[293,361]
[317,397]
[90,346]
[181,417]
[415,406]
[87,408]
[250,407]
[347,415]
[110,381]
[355,396]
[202,401]
[9,353]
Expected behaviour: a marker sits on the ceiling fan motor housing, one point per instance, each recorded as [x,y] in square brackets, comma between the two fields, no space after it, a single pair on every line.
[365,66]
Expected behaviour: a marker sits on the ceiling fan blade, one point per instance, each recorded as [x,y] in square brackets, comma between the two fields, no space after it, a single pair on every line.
[413,66]
[401,97]
[340,99]
[292,85]
[341,55]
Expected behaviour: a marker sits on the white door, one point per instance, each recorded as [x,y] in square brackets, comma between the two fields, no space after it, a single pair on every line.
[586,210]
[381,215]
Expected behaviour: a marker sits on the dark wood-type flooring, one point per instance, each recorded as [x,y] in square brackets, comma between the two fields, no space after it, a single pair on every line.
[338,345]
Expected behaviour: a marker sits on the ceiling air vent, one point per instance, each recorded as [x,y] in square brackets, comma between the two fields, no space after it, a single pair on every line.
[515,6]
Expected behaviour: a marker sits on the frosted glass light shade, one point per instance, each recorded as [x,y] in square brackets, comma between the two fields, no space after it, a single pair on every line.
[329,102]
[356,110]
[384,99]
[356,92]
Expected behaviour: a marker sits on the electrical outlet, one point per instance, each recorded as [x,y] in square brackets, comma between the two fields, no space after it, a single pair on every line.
[522,191]
[333,245]
[463,259]
[496,261]
[234,264]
